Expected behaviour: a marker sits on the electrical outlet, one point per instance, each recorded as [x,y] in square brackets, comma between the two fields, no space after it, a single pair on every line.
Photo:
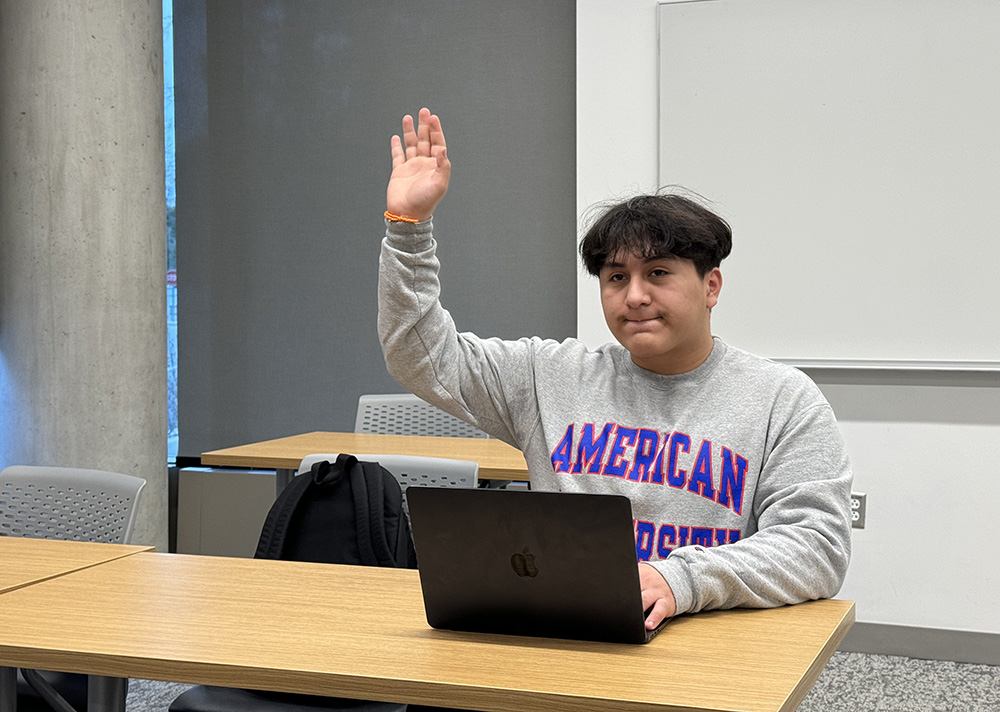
[859,503]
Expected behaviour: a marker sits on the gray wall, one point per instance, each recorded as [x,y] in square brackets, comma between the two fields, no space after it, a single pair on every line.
[284,113]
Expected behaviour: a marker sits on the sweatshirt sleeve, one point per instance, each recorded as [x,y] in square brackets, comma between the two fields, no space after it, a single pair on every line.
[477,380]
[802,545]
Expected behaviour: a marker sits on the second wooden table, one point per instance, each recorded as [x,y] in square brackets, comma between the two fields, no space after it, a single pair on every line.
[497,460]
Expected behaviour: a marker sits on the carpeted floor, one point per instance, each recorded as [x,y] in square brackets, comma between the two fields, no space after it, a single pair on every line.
[851,682]
[854,682]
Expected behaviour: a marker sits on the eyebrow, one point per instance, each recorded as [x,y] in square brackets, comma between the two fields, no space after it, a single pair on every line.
[645,260]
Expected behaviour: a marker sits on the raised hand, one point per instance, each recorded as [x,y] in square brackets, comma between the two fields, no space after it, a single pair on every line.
[420,168]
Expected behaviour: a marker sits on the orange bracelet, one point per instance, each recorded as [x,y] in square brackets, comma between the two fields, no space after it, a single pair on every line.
[400,218]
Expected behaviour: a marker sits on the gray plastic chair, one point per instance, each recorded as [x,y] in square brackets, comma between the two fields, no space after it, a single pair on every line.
[68,503]
[413,470]
[406,414]
[72,504]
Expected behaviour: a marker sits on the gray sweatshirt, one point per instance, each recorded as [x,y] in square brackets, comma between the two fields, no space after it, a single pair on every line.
[737,473]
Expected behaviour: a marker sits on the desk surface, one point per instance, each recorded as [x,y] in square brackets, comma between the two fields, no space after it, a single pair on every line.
[29,561]
[361,632]
[497,460]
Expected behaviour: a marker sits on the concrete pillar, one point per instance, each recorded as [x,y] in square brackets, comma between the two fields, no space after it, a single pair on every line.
[82,242]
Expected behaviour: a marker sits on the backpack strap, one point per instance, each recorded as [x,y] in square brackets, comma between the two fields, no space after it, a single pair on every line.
[387,497]
[406,556]
[273,534]
[395,520]
[368,490]
[354,470]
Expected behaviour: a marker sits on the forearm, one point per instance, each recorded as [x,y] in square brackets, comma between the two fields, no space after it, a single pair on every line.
[408,306]
[422,347]
[777,566]
[802,544]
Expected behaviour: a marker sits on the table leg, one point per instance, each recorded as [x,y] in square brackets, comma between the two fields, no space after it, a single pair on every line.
[8,689]
[282,476]
[106,694]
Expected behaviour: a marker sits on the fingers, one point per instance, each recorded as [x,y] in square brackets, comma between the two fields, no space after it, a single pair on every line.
[649,599]
[435,131]
[396,150]
[439,149]
[424,133]
[656,616]
[409,137]
[656,607]
[442,159]
[657,596]
[425,138]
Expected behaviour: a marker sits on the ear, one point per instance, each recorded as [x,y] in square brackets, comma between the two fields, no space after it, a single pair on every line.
[713,286]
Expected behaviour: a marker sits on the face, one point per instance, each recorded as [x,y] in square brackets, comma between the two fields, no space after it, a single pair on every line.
[659,309]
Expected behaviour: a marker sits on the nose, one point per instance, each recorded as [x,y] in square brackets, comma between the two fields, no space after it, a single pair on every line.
[637,294]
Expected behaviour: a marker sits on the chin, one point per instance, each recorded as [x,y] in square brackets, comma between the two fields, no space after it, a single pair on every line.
[646,357]
[646,344]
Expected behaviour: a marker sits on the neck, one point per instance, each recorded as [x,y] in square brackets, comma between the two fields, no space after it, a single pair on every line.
[674,364]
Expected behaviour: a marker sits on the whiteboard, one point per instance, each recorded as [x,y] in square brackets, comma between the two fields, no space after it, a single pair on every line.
[854,147]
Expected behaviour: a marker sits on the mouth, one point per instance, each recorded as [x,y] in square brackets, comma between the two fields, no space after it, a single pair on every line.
[642,323]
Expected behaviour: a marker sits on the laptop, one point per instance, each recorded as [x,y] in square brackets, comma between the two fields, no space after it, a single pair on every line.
[549,564]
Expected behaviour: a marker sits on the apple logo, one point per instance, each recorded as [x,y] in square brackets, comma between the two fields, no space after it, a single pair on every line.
[524,564]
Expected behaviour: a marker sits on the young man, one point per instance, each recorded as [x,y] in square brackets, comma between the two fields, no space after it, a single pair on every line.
[734,465]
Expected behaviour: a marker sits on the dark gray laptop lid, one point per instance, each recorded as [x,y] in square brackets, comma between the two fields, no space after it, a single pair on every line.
[528,563]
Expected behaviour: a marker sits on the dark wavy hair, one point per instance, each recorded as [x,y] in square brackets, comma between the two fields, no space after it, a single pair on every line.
[657,226]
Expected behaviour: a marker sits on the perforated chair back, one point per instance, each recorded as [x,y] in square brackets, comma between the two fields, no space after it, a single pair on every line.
[68,503]
[413,470]
[406,414]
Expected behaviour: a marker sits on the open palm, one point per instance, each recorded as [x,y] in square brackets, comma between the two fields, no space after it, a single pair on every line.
[420,168]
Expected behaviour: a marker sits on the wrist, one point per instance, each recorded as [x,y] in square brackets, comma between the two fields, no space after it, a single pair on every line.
[396,217]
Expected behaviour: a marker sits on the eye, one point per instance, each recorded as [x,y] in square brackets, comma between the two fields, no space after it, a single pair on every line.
[615,277]
[659,272]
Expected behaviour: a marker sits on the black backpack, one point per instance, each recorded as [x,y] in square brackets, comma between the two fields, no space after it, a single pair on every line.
[345,512]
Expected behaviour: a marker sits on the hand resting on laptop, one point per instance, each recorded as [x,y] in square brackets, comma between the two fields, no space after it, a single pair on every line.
[657,596]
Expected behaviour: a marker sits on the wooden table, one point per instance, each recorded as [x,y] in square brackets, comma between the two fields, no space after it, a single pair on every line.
[497,460]
[361,632]
[29,561]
